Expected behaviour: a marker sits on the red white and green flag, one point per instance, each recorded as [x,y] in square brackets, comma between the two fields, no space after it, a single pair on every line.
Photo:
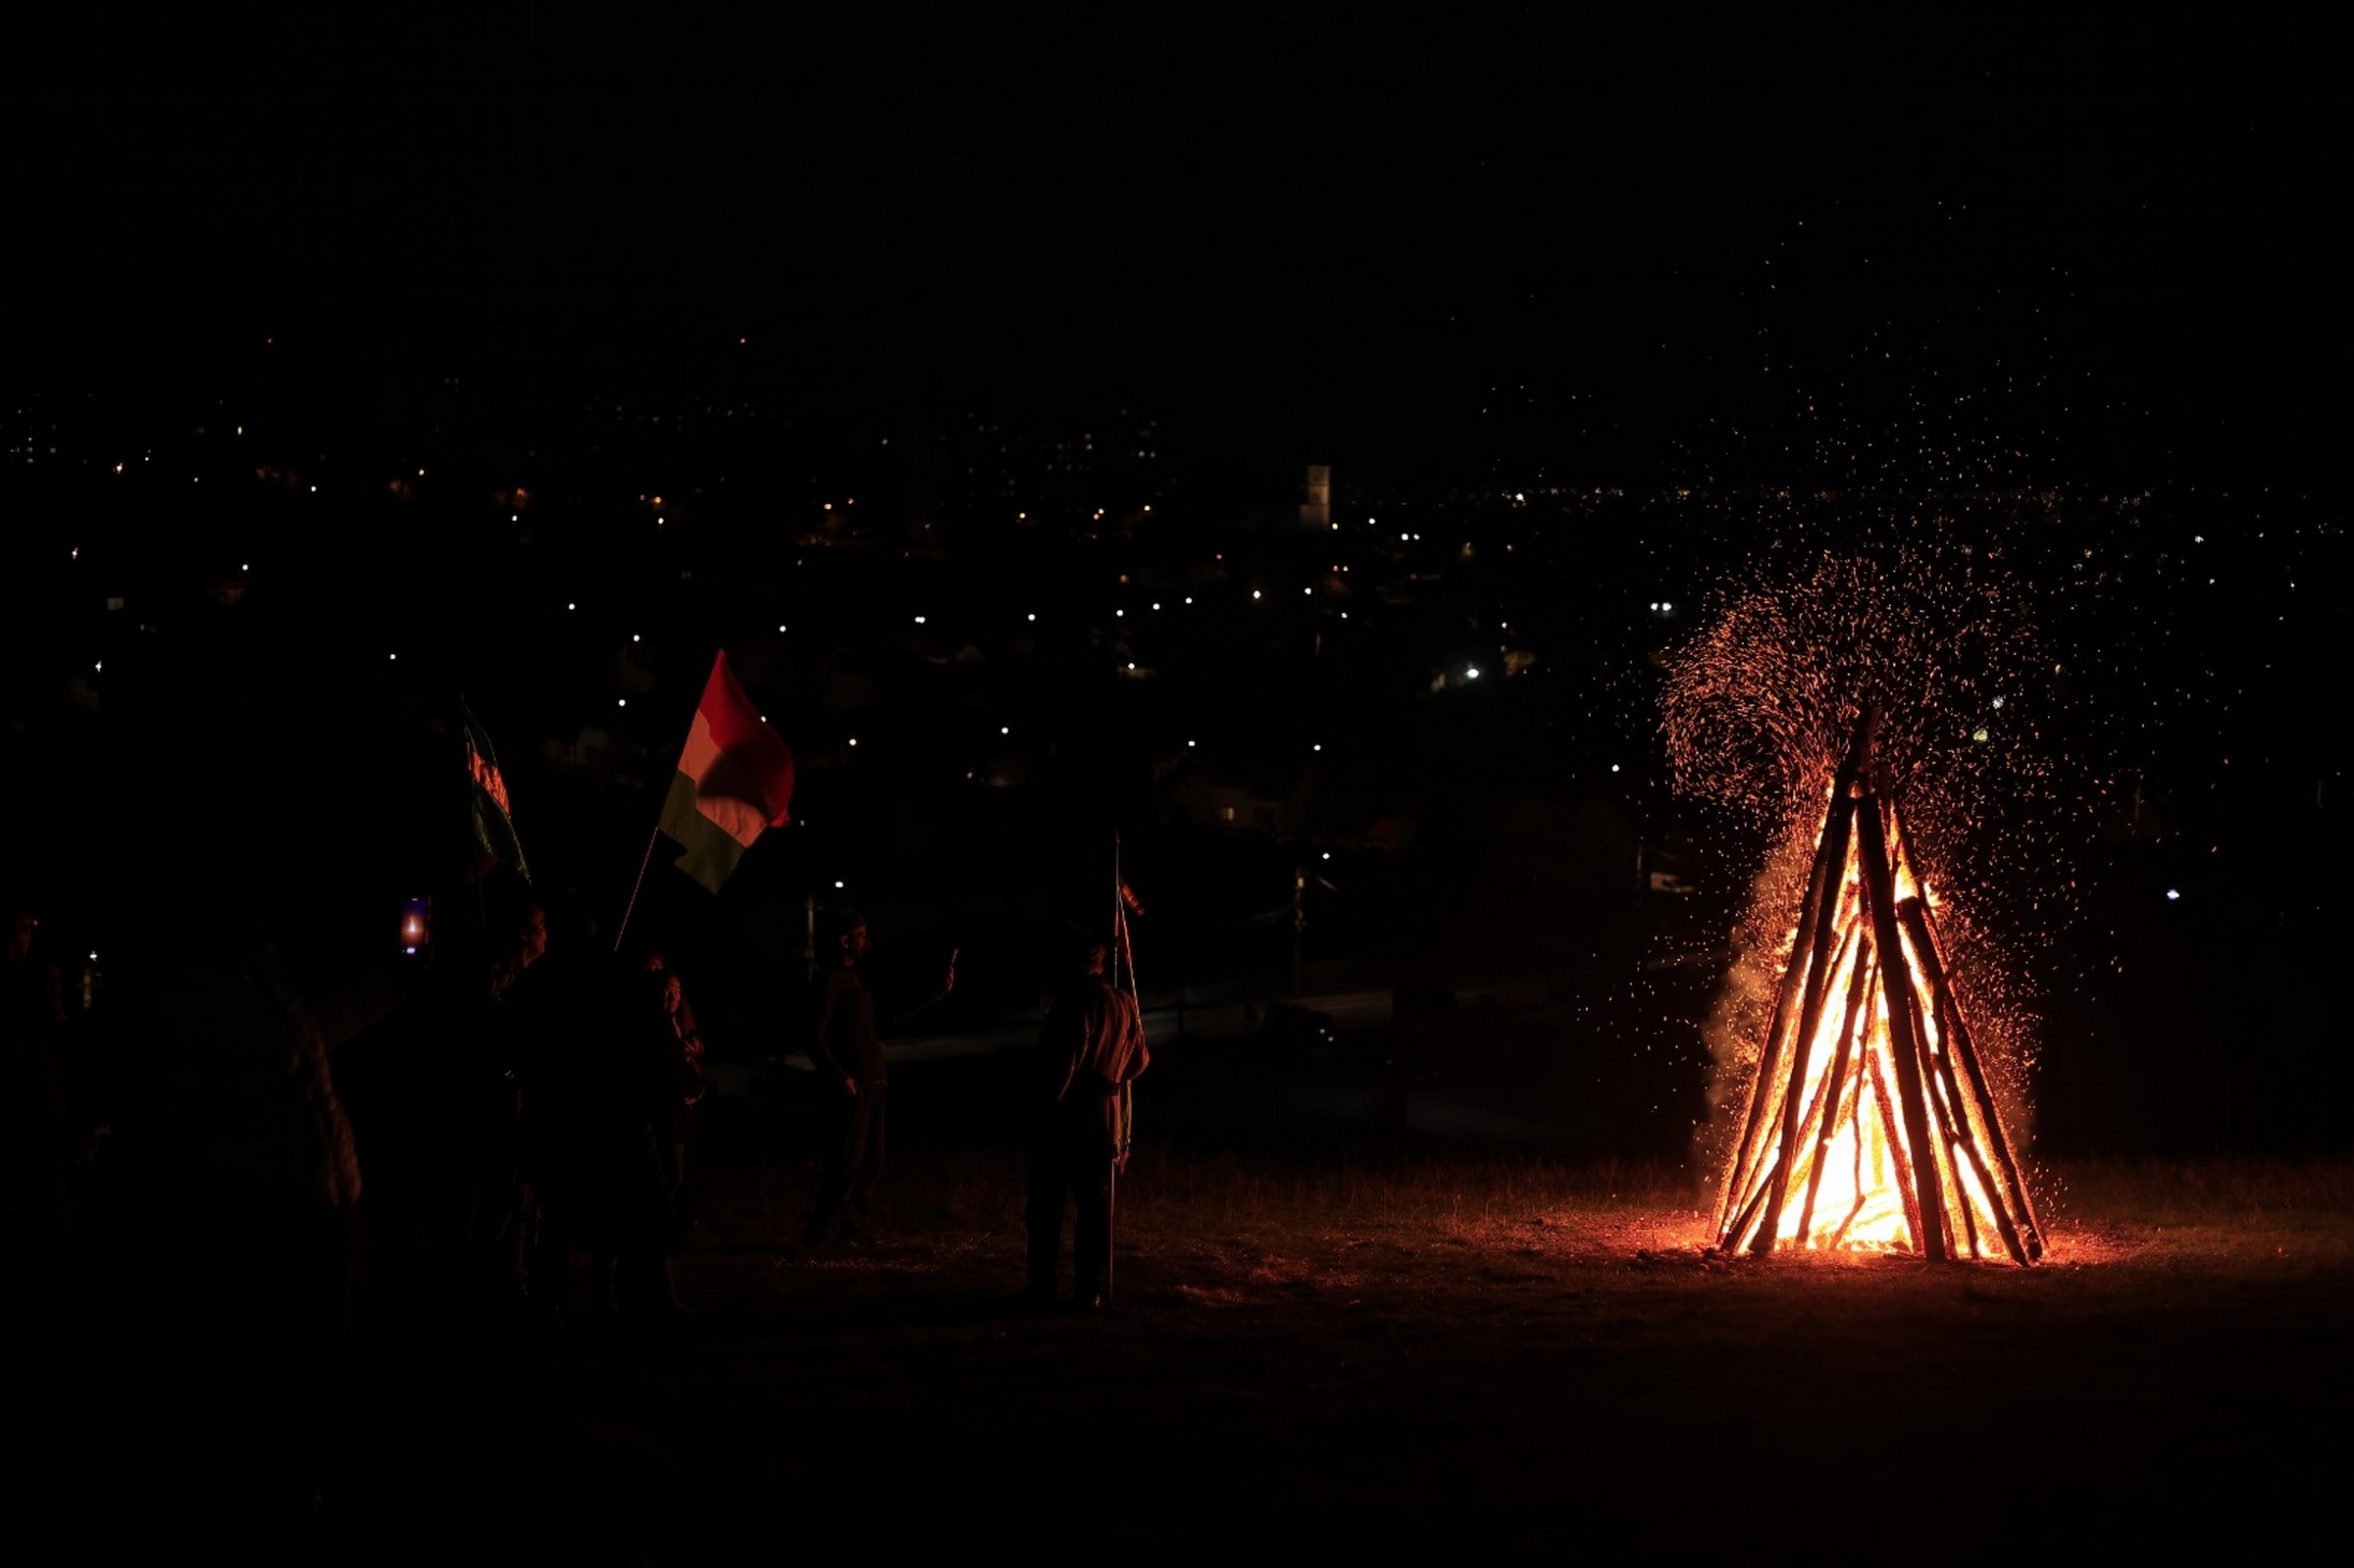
[735,779]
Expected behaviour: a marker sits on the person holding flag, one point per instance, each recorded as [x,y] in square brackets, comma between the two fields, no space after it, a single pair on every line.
[1090,1049]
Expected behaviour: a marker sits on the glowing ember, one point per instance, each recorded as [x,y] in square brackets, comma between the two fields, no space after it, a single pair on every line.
[1856,1108]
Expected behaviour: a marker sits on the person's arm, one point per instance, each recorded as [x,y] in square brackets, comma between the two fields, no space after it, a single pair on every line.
[1139,1056]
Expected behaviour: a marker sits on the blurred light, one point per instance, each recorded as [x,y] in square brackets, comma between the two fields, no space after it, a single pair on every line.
[1255,594]
[838,883]
[1004,729]
[919,620]
[2172,894]
[1472,672]
[853,740]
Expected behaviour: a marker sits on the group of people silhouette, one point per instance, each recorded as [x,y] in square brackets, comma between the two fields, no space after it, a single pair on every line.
[257,1184]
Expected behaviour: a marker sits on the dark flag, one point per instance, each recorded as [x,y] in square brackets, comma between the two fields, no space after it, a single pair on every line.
[494,821]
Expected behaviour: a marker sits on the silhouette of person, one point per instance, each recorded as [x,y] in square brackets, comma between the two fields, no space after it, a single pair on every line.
[844,1044]
[245,1174]
[593,1053]
[38,1142]
[675,1130]
[500,1237]
[1090,1047]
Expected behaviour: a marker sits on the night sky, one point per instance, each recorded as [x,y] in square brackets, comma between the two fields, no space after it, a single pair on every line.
[1535,238]
[1476,257]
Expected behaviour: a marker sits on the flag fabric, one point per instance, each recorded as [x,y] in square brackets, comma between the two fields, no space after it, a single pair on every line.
[493,819]
[735,779]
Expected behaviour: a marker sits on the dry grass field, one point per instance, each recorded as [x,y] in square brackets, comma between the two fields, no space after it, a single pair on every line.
[1433,1350]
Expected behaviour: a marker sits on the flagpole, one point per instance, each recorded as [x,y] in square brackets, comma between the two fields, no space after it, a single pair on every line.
[1121,950]
[644,861]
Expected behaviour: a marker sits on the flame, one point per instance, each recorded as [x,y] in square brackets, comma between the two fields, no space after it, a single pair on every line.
[1871,1125]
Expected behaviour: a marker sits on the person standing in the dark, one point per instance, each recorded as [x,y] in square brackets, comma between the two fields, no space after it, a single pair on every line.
[38,1141]
[498,1242]
[675,1129]
[1091,1046]
[246,1177]
[592,1057]
[846,1046]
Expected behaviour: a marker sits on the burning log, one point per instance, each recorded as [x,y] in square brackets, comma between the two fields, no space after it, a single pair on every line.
[1815,924]
[1882,1110]
[1906,1188]
[1857,994]
[2015,1216]
[1904,1037]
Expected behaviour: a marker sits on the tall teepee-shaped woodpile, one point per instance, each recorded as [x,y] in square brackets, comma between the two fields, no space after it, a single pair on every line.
[1871,1124]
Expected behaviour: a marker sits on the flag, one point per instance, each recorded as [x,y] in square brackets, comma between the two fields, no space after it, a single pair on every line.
[734,779]
[493,821]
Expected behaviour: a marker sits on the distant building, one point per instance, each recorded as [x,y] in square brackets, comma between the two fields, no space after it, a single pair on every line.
[1315,501]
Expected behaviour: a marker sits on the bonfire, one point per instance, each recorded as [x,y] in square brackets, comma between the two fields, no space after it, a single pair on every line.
[1871,1122]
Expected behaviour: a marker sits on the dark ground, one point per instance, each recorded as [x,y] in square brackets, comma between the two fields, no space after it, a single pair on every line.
[1370,1346]
[1335,1335]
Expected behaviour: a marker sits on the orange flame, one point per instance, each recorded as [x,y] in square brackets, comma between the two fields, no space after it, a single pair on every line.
[1871,1124]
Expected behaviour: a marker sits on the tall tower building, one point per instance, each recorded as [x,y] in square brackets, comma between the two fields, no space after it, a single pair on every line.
[1315,500]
